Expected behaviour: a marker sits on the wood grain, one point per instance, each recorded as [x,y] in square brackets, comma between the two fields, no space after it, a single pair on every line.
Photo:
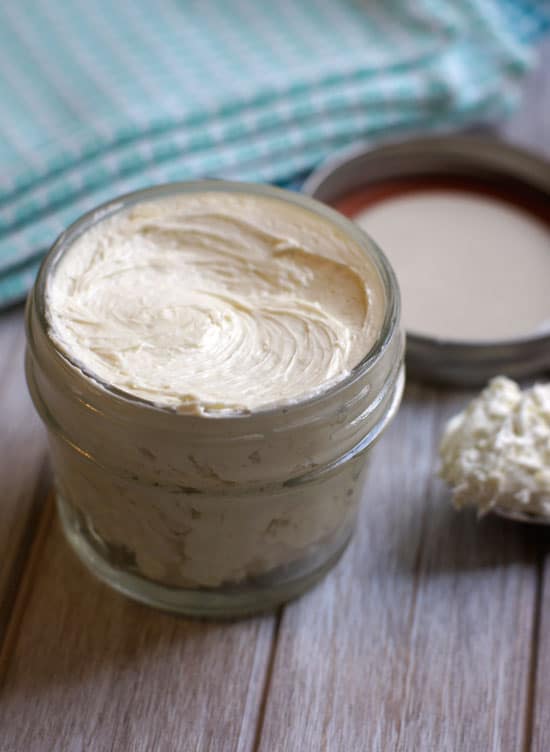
[531,127]
[23,477]
[86,669]
[421,638]
[541,665]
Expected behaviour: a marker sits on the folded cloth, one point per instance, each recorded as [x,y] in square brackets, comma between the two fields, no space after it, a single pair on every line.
[100,98]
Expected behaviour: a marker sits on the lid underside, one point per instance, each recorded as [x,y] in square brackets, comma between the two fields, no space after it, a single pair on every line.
[429,358]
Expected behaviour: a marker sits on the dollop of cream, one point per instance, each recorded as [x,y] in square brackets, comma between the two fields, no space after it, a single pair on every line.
[497,452]
[215,302]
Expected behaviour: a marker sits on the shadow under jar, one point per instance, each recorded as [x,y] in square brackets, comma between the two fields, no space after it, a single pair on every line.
[211,515]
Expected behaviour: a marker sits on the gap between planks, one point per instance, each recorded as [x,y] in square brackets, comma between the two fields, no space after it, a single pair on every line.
[267,681]
[534,668]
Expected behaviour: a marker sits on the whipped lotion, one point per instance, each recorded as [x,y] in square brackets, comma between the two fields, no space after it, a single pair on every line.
[497,452]
[215,302]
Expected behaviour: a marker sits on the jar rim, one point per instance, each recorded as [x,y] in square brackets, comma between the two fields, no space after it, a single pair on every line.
[120,203]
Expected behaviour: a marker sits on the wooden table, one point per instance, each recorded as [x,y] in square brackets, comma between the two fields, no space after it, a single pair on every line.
[431,635]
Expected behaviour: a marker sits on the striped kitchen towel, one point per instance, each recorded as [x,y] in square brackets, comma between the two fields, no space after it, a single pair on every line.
[103,97]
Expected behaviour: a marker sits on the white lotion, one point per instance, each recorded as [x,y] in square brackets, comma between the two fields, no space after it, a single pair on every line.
[496,453]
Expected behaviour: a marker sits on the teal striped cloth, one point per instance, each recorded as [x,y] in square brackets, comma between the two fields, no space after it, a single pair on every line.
[100,97]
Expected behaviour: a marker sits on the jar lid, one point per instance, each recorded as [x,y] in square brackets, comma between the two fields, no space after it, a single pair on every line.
[512,174]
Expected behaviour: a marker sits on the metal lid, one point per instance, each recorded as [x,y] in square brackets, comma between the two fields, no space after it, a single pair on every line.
[428,358]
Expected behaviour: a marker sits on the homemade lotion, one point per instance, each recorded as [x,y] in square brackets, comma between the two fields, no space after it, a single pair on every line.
[215,303]
[213,364]
[496,453]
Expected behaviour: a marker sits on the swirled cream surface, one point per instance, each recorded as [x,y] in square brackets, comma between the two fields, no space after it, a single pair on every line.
[215,302]
[496,453]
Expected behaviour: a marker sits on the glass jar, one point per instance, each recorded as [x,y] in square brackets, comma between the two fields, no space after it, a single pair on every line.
[210,516]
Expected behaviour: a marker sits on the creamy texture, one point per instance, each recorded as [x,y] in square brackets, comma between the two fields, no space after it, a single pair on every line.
[470,267]
[216,302]
[497,452]
[184,538]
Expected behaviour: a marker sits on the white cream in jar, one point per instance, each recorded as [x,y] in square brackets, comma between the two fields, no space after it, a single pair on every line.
[215,302]
[213,363]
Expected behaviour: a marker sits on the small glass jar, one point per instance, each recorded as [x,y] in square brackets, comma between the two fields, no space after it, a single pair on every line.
[210,516]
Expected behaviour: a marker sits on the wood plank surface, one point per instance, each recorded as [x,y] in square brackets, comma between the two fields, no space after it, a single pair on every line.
[23,475]
[421,638]
[88,670]
[541,667]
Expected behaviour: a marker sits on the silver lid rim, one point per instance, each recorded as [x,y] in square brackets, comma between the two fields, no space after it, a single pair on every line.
[457,362]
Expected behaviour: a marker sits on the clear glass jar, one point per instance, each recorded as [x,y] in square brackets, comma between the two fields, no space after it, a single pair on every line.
[210,516]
